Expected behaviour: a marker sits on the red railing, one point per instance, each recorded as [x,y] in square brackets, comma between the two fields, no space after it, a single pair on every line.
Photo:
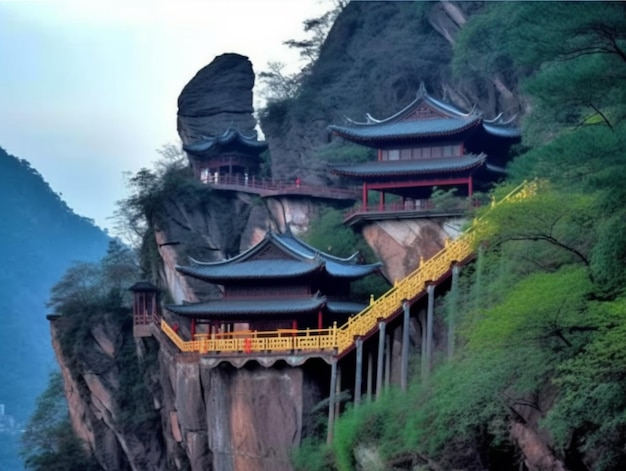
[279,186]
[425,206]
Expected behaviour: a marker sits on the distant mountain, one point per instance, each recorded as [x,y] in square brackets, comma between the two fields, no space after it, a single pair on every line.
[40,236]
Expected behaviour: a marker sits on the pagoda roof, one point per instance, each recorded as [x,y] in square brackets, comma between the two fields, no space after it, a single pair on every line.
[344,307]
[412,167]
[252,269]
[440,119]
[229,137]
[297,258]
[244,308]
[143,286]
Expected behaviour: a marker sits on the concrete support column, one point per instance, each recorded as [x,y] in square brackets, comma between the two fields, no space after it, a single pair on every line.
[430,314]
[380,359]
[453,310]
[404,359]
[331,401]
[358,374]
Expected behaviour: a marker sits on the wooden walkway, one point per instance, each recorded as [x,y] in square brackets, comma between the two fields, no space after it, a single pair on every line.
[265,188]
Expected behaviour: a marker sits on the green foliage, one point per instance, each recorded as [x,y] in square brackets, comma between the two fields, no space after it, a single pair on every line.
[49,442]
[313,455]
[329,234]
[592,407]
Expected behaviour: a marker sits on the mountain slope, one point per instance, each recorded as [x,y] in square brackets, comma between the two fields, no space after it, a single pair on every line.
[39,238]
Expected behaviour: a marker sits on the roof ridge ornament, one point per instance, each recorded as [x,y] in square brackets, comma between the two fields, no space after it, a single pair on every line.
[422,90]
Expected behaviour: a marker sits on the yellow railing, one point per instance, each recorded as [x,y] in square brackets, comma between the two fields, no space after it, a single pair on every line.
[340,339]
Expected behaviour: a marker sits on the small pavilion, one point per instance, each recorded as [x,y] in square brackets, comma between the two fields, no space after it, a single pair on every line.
[428,144]
[230,156]
[280,283]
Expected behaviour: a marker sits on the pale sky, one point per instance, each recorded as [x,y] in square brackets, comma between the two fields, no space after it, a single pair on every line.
[88,88]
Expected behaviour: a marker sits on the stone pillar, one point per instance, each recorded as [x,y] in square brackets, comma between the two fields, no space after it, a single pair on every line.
[453,309]
[331,401]
[358,374]
[380,359]
[404,360]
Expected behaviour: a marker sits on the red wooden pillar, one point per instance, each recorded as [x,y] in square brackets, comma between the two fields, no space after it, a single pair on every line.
[320,324]
[470,186]
[382,201]
[294,325]
[193,328]
[364,195]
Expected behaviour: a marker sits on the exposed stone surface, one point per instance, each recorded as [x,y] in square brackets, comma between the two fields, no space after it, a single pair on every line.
[219,96]
[90,393]
[401,244]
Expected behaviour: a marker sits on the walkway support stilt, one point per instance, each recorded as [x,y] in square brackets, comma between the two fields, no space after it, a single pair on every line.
[430,314]
[331,401]
[358,374]
[387,361]
[370,364]
[404,360]
[452,313]
[380,359]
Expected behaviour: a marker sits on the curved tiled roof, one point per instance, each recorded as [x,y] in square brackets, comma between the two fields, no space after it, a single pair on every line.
[345,307]
[244,308]
[450,120]
[407,129]
[229,136]
[256,269]
[412,167]
[300,259]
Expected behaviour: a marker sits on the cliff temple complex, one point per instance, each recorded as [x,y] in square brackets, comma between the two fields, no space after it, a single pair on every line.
[280,314]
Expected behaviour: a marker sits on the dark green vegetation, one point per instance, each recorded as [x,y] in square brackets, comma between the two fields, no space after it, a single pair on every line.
[542,342]
[329,234]
[40,236]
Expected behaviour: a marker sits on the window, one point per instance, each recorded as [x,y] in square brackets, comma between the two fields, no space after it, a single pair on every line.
[394,154]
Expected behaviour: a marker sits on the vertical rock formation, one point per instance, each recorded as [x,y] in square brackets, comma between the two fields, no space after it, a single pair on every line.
[218,97]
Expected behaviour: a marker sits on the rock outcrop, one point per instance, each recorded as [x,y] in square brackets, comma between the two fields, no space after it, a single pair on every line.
[217,98]
[400,245]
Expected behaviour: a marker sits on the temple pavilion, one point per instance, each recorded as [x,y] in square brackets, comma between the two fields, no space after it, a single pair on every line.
[230,156]
[280,283]
[428,144]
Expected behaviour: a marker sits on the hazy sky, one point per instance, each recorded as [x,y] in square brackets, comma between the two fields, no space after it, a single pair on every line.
[88,88]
